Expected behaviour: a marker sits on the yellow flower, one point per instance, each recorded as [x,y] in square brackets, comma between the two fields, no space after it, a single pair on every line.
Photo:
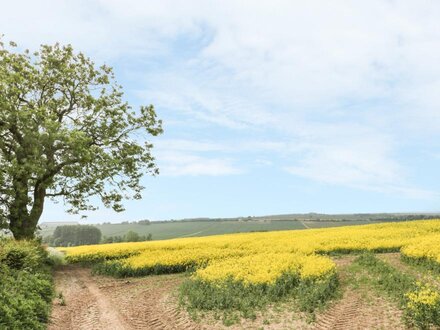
[262,258]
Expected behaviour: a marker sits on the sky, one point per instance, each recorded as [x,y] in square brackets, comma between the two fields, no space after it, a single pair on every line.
[269,107]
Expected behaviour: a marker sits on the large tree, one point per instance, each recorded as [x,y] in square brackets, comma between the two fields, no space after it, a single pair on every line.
[65,132]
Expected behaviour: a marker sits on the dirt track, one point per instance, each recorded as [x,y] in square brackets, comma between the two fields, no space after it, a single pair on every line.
[97,302]
[105,303]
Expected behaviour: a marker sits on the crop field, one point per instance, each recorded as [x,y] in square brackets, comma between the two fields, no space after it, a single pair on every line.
[178,229]
[168,230]
[246,272]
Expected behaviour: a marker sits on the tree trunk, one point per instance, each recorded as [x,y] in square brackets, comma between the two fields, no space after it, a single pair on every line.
[23,228]
[23,223]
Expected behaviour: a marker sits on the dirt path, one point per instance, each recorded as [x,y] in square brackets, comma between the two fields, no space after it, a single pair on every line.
[359,308]
[106,303]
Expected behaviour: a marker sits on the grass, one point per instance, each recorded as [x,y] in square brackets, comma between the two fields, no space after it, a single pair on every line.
[232,300]
[423,263]
[419,301]
[386,278]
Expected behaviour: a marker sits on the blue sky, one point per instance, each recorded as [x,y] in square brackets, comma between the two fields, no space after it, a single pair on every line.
[269,107]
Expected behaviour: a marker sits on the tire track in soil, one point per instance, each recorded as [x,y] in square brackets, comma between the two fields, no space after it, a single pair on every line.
[86,307]
[97,302]
[149,304]
[342,315]
[101,302]
[359,308]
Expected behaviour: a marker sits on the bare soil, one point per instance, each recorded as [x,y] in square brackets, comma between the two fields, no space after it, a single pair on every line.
[98,302]
[359,309]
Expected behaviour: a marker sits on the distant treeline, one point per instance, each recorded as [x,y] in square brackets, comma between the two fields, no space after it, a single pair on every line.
[296,217]
[131,236]
[313,217]
[140,222]
[74,235]
[409,217]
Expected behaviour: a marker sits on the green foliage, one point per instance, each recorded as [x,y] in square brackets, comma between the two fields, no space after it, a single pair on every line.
[144,222]
[394,282]
[117,269]
[420,302]
[66,131]
[232,296]
[425,263]
[97,258]
[132,236]
[423,306]
[76,235]
[313,294]
[26,285]
[24,255]
[56,259]
[174,229]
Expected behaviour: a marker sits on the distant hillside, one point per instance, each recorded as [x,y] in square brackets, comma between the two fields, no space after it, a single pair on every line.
[321,217]
[215,226]
[58,223]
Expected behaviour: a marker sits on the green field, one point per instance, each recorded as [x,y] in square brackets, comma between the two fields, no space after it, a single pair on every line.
[167,230]
[205,227]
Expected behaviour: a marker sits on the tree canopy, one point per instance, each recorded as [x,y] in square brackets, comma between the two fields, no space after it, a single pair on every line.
[65,131]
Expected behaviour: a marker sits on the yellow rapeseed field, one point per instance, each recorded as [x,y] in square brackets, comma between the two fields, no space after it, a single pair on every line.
[257,258]
[427,248]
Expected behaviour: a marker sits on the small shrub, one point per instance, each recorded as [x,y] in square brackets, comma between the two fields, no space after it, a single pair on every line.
[22,255]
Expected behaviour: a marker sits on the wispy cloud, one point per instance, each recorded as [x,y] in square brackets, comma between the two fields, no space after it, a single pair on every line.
[334,91]
[183,164]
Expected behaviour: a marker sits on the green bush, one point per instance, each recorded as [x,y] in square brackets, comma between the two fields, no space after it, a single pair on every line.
[26,288]
[24,255]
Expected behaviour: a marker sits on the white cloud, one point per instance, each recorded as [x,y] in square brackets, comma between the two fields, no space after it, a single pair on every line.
[188,145]
[334,88]
[184,164]
[180,157]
